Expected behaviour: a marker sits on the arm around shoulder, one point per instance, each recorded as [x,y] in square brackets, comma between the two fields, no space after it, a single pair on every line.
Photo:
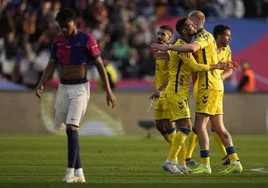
[185,48]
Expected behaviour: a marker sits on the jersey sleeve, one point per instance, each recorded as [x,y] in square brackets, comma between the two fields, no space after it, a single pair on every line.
[190,61]
[92,47]
[202,40]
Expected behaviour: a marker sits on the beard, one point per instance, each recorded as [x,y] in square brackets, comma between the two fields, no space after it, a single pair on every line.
[192,34]
[225,44]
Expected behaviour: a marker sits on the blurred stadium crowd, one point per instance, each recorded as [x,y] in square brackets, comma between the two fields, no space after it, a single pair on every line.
[124,29]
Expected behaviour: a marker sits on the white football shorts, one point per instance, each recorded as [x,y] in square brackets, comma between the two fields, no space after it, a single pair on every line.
[71,104]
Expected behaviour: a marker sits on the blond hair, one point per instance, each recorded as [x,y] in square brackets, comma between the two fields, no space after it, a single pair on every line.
[198,15]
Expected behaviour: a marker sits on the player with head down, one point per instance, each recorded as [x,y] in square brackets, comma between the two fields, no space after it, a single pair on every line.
[161,111]
[72,50]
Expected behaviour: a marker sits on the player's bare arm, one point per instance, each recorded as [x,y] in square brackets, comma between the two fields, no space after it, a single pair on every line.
[48,73]
[192,63]
[226,74]
[231,65]
[154,52]
[193,47]
[158,92]
[110,98]
[222,66]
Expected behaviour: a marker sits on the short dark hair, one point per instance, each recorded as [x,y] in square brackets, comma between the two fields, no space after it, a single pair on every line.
[167,28]
[65,15]
[180,25]
[219,30]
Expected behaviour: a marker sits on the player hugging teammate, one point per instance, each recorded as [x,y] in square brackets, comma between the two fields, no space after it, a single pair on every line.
[208,90]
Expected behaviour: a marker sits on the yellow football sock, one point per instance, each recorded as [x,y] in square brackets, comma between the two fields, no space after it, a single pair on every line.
[192,141]
[181,155]
[232,154]
[221,147]
[233,157]
[178,142]
[171,136]
[205,161]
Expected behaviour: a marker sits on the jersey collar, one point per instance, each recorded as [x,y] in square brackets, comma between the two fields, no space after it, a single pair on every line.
[222,49]
[201,29]
[185,40]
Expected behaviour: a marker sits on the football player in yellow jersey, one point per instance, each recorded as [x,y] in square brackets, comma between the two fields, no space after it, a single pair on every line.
[210,93]
[177,94]
[222,35]
[161,111]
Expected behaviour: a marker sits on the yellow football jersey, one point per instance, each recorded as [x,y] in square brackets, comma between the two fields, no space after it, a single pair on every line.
[161,72]
[180,69]
[225,55]
[207,55]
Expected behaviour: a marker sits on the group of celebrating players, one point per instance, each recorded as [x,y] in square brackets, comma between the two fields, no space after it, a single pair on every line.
[207,59]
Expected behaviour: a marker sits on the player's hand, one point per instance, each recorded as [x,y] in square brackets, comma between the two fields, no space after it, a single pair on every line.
[154,51]
[39,90]
[161,55]
[110,98]
[231,65]
[234,65]
[157,46]
[156,95]
[222,65]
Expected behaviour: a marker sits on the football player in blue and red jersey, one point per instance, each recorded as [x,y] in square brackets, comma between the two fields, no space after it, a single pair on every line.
[72,51]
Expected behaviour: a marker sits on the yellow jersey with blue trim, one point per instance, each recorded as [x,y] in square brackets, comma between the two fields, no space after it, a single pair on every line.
[225,55]
[180,69]
[161,72]
[207,55]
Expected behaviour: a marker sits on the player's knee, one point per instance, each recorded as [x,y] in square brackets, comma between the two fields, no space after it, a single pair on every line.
[170,125]
[201,128]
[214,126]
[219,130]
[188,124]
[185,123]
[201,119]
[158,124]
[72,127]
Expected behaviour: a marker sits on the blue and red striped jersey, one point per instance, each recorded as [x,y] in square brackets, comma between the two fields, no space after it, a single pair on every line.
[75,50]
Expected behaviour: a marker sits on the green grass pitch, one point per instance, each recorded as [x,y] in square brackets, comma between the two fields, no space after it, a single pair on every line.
[125,161]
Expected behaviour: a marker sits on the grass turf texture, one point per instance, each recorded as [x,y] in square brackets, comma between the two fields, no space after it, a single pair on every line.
[40,161]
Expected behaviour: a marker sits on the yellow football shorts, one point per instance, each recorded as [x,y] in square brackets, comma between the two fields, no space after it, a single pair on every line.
[178,106]
[161,110]
[209,101]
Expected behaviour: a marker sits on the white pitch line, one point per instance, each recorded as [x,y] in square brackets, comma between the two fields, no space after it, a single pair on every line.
[263,170]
